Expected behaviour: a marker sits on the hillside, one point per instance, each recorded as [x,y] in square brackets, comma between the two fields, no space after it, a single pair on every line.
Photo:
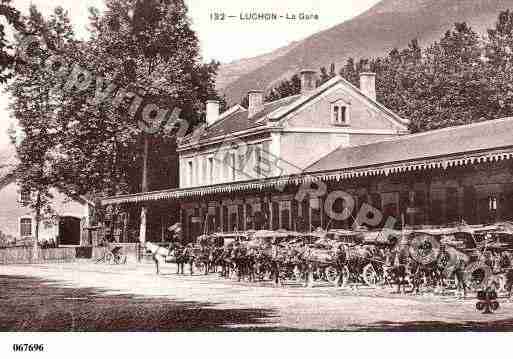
[230,72]
[389,24]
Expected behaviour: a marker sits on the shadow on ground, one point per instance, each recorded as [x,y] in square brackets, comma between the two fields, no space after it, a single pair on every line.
[438,326]
[33,304]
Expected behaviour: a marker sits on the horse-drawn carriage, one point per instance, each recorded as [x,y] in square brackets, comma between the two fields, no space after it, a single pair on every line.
[423,258]
[458,257]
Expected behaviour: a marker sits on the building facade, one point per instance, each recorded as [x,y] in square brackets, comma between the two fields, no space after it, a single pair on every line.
[66,225]
[333,157]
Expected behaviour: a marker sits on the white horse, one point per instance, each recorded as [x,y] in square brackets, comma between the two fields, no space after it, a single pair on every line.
[159,254]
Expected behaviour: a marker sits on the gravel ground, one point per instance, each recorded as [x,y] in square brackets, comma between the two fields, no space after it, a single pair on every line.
[96,297]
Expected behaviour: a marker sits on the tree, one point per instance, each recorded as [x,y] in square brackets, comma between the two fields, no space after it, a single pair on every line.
[33,104]
[325,76]
[146,48]
[498,69]
[7,58]
[286,88]
[145,62]
[349,72]
[451,88]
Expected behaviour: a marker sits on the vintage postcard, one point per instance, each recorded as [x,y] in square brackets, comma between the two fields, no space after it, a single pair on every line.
[254,166]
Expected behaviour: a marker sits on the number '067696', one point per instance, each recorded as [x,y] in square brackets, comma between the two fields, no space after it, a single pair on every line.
[28,347]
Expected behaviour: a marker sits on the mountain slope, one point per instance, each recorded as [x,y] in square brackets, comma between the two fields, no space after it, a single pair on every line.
[230,72]
[389,24]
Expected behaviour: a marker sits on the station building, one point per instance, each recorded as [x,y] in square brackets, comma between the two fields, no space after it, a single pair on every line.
[292,163]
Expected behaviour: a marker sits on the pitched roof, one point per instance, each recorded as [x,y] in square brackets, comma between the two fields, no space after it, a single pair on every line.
[475,137]
[284,110]
[239,120]
[236,119]
[8,164]
[7,174]
[454,146]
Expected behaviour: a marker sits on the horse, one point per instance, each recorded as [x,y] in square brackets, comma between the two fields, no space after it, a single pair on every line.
[224,259]
[240,261]
[201,257]
[452,262]
[159,254]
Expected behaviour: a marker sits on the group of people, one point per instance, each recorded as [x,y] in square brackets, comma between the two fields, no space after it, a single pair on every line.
[48,243]
[280,260]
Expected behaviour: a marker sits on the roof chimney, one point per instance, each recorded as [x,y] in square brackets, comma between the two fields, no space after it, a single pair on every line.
[368,84]
[212,112]
[307,80]
[256,102]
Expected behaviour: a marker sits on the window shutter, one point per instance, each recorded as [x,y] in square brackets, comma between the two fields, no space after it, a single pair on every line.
[469,201]
[275,217]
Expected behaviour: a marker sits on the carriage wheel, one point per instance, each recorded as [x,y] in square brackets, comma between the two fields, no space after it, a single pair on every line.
[268,274]
[336,277]
[331,274]
[298,275]
[232,273]
[200,267]
[109,258]
[370,276]
[477,275]
[498,283]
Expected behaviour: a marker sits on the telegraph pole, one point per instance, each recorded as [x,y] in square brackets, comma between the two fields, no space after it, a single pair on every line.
[144,188]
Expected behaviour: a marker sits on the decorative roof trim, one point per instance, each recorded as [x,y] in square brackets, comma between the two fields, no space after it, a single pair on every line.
[277,183]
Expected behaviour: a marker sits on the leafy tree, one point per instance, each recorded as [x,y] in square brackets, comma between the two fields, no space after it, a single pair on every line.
[326,75]
[286,88]
[147,48]
[448,87]
[349,72]
[498,69]
[13,18]
[457,80]
[34,104]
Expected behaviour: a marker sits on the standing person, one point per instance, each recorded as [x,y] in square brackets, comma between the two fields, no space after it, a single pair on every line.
[340,255]
[236,258]
[275,262]
[180,258]
[189,256]
[226,260]
[459,274]
[388,268]
[400,270]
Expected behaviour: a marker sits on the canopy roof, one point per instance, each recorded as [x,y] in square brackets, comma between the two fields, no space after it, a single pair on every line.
[488,141]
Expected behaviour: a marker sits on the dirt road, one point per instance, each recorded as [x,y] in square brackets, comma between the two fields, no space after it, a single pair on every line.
[88,297]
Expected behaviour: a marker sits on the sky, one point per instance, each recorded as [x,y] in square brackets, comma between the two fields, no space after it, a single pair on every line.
[224,40]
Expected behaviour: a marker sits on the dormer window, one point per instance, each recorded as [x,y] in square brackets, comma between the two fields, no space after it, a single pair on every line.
[339,113]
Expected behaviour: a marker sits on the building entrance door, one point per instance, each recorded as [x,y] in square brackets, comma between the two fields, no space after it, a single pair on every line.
[69,231]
